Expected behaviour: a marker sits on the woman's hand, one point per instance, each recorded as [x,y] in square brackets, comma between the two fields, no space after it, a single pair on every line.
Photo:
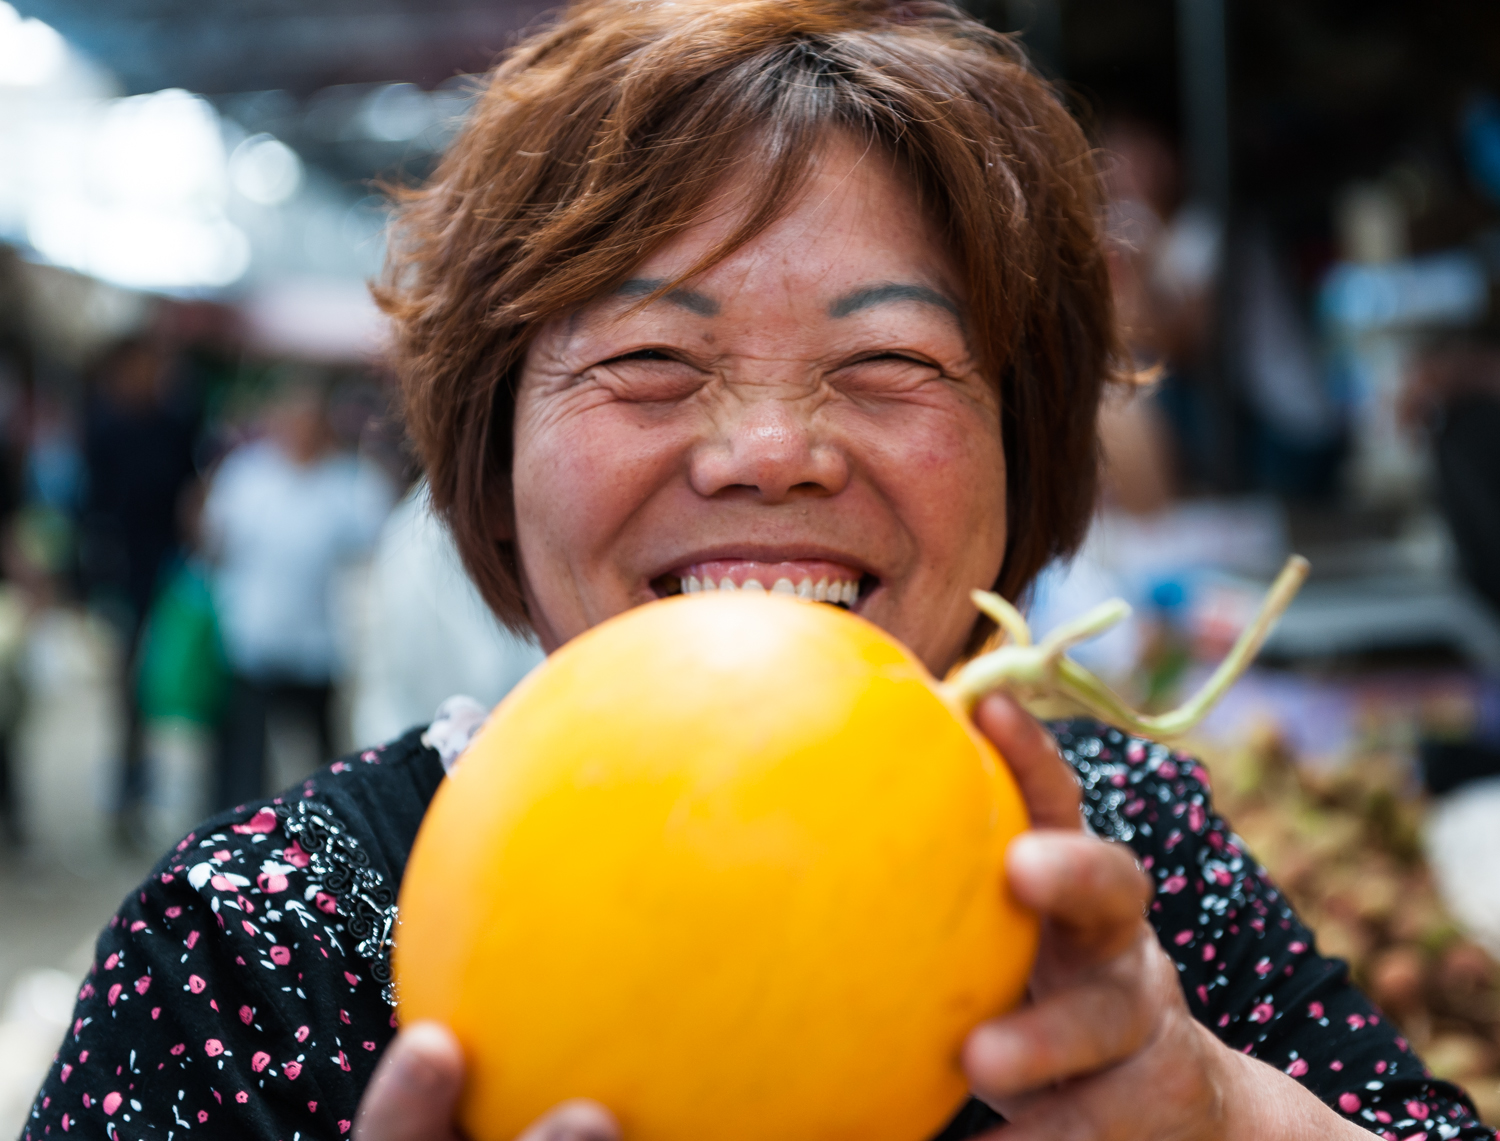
[1107,1048]
[415,1091]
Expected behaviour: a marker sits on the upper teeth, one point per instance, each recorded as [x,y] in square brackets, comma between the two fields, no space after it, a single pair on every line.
[821,591]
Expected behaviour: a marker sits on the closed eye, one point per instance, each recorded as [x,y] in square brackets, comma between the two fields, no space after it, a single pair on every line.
[640,355]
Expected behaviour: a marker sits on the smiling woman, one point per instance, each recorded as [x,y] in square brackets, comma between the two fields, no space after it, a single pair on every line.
[637,146]
[797,296]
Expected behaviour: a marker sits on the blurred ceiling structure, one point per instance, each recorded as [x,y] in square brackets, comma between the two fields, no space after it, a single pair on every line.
[300,46]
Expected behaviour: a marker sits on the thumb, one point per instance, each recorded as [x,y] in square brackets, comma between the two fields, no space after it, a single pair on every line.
[415,1088]
[1047,783]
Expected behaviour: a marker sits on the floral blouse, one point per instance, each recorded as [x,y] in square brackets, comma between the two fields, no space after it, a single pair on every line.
[243,990]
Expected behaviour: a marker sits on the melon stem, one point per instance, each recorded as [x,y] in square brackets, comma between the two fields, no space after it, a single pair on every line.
[1052,686]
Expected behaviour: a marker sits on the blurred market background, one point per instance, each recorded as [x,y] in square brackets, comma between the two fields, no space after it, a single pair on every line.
[207,516]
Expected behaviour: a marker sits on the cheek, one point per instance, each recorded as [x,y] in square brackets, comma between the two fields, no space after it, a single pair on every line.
[580,475]
[946,469]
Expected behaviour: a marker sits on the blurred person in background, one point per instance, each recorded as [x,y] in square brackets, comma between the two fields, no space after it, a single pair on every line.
[283,513]
[428,634]
[138,459]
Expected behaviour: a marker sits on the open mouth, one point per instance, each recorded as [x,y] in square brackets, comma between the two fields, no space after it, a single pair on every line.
[814,580]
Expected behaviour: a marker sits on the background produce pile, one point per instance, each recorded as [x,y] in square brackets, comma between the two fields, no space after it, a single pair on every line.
[1345,845]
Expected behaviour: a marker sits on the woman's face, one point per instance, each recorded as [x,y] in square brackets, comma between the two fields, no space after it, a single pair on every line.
[807,415]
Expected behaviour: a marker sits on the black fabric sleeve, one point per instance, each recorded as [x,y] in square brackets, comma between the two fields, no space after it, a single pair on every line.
[1249,968]
[230,996]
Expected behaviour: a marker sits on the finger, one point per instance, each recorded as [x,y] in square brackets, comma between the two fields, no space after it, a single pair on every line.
[1090,889]
[1066,1035]
[1047,783]
[574,1121]
[415,1088]
[1168,1090]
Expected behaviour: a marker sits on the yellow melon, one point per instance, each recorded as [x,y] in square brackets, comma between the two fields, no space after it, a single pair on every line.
[731,865]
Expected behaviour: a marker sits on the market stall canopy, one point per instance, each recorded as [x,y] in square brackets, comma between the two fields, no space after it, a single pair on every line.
[215,46]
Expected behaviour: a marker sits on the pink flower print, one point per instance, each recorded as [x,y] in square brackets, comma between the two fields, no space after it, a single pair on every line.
[1263,968]
[351,978]
[247,1015]
[1173,884]
[202,1116]
[155,1013]
[281,956]
[1262,1012]
[143,984]
[242,1097]
[301,1034]
[1315,1010]
[67,1070]
[294,855]
[67,1123]
[112,1102]
[111,962]
[1209,952]
[249,927]
[222,855]
[138,925]
[368,1046]
[343,1062]
[292,1070]
[1418,1110]
[1297,1068]
[1349,1102]
[192,940]
[1167,770]
[176,1050]
[326,902]
[1196,817]
[85,991]
[1380,1066]
[271,882]
[173,912]
[1297,948]
[1174,839]
[344,1126]
[114,993]
[213,1047]
[196,984]
[262,821]
[1183,938]
[1356,1021]
[221,883]
[312,1107]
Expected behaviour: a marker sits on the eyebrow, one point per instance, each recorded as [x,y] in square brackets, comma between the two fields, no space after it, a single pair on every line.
[689,299]
[888,292]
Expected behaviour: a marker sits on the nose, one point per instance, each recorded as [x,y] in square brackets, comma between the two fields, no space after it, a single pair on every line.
[768,448]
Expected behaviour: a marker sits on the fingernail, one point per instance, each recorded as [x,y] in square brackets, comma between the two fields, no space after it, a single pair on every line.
[993,1057]
[580,1122]
[1031,855]
[413,1068]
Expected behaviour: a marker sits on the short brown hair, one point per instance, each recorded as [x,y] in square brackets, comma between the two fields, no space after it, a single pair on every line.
[599,139]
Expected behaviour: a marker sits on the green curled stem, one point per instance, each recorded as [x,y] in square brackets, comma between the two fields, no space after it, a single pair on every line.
[1051,685]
